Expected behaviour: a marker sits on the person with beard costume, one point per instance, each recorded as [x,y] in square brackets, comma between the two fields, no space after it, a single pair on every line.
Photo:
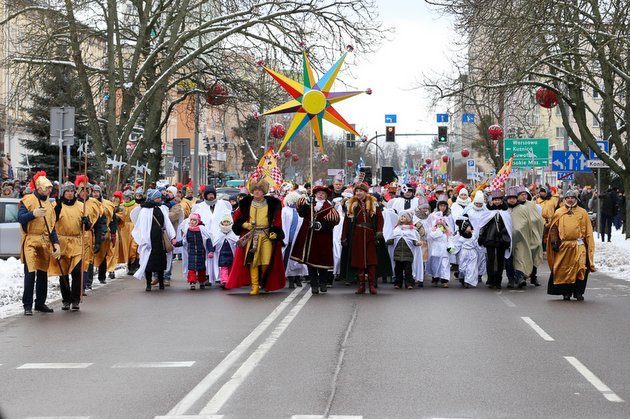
[496,237]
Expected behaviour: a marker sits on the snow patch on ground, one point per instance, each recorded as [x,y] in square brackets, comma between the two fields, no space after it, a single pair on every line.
[613,258]
[12,287]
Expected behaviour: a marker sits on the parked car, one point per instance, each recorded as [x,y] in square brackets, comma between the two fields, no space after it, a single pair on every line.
[10,234]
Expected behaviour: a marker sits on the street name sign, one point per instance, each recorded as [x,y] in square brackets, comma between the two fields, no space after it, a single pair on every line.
[528,152]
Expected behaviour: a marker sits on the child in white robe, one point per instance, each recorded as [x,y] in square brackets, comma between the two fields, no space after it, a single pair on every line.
[466,248]
[440,241]
[405,252]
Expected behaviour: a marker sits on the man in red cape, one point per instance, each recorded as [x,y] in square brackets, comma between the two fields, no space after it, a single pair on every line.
[258,221]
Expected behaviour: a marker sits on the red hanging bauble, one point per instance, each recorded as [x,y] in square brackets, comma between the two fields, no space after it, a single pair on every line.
[295,157]
[546,98]
[349,163]
[445,159]
[465,153]
[217,94]
[276,131]
[495,132]
[428,161]
[287,153]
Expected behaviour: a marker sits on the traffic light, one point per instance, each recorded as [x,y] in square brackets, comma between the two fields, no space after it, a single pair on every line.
[442,135]
[390,134]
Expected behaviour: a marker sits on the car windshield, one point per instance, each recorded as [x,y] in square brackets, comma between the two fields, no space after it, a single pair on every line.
[11,213]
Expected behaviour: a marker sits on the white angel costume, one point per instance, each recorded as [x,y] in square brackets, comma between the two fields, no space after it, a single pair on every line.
[410,235]
[143,220]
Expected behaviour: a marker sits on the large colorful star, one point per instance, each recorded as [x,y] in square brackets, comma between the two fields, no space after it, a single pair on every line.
[312,102]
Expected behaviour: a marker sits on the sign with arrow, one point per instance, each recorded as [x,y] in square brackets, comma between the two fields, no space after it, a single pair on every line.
[528,152]
[569,161]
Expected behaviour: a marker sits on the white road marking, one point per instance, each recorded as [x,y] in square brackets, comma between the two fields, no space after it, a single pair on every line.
[201,389]
[506,300]
[592,378]
[229,388]
[154,364]
[325,417]
[58,417]
[53,366]
[190,417]
[538,329]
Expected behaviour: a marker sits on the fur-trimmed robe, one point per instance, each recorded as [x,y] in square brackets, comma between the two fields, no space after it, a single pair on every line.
[273,278]
[362,223]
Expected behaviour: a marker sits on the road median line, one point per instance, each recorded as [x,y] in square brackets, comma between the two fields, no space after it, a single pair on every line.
[594,380]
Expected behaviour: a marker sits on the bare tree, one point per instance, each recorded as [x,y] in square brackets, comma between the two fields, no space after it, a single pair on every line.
[579,49]
[131,55]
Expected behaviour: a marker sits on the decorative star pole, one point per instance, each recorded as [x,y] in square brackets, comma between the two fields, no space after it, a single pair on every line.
[312,102]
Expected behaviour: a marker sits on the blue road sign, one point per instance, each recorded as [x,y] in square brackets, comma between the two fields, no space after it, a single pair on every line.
[442,117]
[604,146]
[390,118]
[468,118]
[566,176]
[568,161]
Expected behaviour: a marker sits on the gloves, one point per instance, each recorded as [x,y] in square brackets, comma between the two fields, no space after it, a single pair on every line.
[87,224]
[450,250]
[97,247]
[210,255]
[39,212]
[56,251]
[555,246]
[416,243]
[173,242]
[248,226]
[273,236]
[379,236]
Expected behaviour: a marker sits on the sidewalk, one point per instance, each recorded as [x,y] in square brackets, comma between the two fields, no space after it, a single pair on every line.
[613,258]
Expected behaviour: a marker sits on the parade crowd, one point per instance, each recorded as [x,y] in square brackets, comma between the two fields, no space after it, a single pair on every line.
[268,238]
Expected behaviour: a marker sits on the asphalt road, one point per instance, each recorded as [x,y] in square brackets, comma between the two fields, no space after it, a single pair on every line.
[402,354]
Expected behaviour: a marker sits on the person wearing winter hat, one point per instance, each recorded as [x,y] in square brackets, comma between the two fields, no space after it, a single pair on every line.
[198,243]
[139,196]
[152,226]
[406,202]
[527,234]
[478,216]
[211,211]
[460,204]
[570,249]
[40,242]
[176,215]
[496,237]
[548,202]
[92,238]
[106,230]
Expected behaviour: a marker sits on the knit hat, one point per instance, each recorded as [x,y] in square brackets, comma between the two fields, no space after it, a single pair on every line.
[128,194]
[153,194]
[496,194]
[172,189]
[572,193]
[511,191]
[67,186]
[479,198]
[209,189]
[422,202]
[362,186]
[96,188]
[463,191]
[195,216]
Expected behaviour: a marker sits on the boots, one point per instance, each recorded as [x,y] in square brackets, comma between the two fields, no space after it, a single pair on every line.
[148,284]
[291,282]
[254,275]
[361,281]
[372,281]
[298,280]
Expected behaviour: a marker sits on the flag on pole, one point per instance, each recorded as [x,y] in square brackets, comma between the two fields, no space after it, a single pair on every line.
[405,177]
[502,175]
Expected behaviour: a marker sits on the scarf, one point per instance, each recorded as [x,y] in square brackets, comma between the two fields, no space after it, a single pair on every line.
[129,204]
[194,228]
[463,202]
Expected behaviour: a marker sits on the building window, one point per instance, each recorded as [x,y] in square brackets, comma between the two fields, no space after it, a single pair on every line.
[595,93]
[560,133]
[595,121]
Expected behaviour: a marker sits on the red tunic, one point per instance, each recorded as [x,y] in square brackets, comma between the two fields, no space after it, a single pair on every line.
[315,248]
[364,220]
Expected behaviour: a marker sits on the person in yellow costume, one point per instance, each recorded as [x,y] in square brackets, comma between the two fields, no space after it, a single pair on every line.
[128,252]
[105,231]
[94,212]
[188,201]
[39,243]
[114,251]
[570,249]
[70,222]
[549,202]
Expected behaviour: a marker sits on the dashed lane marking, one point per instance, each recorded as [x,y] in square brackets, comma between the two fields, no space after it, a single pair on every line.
[154,364]
[202,389]
[241,374]
[53,366]
[538,329]
[506,300]
[592,378]
[326,417]
[190,417]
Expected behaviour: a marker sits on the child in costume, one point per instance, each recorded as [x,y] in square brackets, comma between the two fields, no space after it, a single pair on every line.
[405,252]
[466,248]
[440,240]
[197,243]
[222,252]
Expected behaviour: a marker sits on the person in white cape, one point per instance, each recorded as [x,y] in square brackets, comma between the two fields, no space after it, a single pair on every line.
[291,223]
[465,246]
[223,247]
[339,204]
[479,215]
[150,222]
[406,202]
[405,252]
[211,209]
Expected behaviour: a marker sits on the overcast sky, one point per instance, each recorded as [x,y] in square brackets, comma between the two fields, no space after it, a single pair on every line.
[419,45]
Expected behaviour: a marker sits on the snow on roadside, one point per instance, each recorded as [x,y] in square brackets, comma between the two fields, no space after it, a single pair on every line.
[613,258]
[12,286]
